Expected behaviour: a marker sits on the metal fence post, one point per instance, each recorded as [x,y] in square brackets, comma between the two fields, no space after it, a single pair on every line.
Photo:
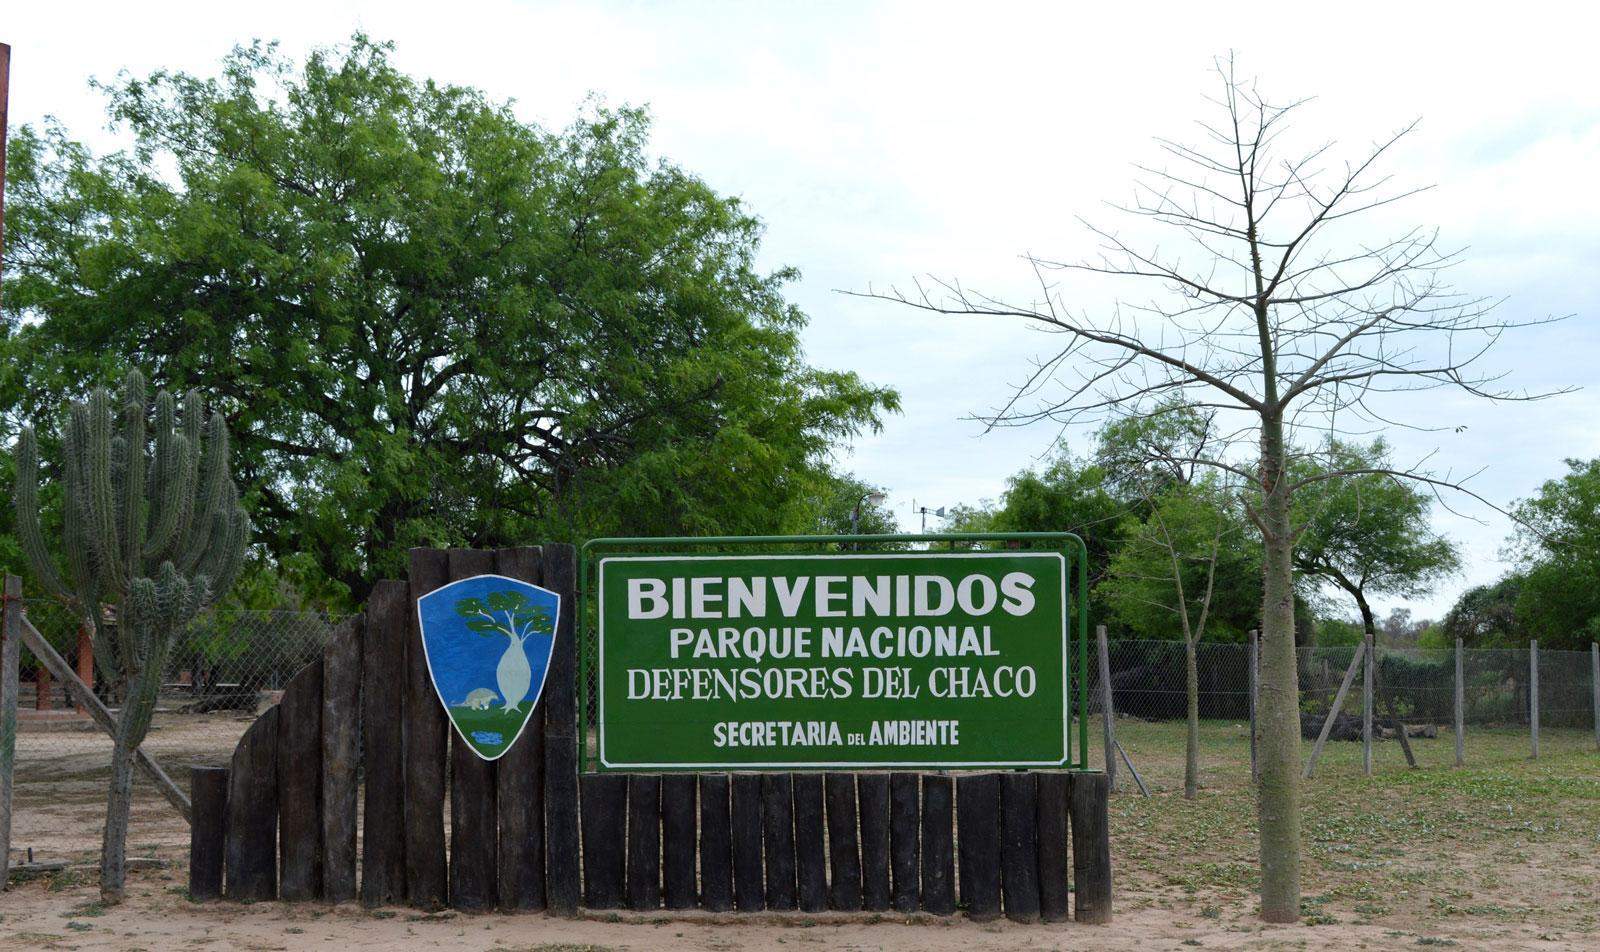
[1461,709]
[1107,714]
[1533,694]
[1366,706]
[1255,688]
[10,658]
[1594,685]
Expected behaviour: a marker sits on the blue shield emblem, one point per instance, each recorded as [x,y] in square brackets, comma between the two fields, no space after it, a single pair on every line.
[488,641]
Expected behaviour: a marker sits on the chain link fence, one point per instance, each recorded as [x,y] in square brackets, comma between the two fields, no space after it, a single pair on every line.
[1413,687]
[228,667]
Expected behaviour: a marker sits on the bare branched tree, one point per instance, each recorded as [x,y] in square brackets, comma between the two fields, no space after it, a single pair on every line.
[1277,314]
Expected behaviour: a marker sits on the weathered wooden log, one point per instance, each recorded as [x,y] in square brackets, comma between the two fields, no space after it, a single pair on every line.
[872,798]
[1091,847]
[383,699]
[562,880]
[978,838]
[749,894]
[474,820]
[427,748]
[810,843]
[341,758]
[716,844]
[519,778]
[208,798]
[777,837]
[251,839]
[10,656]
[1019,845]
[605,815]
[300,786]
[938,845]
[905,804]
[844,845]
[677,841]
[1055,882]
[644,842]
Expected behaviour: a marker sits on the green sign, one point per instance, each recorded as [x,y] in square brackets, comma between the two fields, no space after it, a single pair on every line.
[907,659]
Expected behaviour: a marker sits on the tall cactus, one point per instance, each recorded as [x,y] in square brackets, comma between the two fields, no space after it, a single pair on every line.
[152,527]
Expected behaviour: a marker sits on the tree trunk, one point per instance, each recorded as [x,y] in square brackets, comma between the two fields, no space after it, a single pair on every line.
[1191,752]
[133,724]
[1278,797]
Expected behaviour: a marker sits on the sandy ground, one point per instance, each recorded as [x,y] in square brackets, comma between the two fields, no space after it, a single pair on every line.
[1503,856]
[37,917]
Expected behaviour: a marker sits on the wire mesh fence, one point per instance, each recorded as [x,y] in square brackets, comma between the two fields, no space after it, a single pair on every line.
[224,670]
[1413,689]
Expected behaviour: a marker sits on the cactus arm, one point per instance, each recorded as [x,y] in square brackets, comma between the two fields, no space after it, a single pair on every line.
[100,509]
[27,506]
[166,482]
[135,404]
[215,497]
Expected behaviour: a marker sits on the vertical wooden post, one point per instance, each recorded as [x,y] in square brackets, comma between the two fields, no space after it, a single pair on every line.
[427,747]
[605,819]
[341,758]
[300,786]
[872,795]
[1533,695]
[1019,844]
[844,854]
[644,842]
[562,882]
[43,689]
[1369,663]
[1594,685]
[938,845]
[10,685]
[1255,691]
[85,663]
[383,699]
[1091,847]
[5,96]
[208,794]
[1461,708]
[777,836]
[716,844]
[250,852]
[1055,877]
[904,855]
[677,840]
[748,892]
[474,820]
[1108,714]
[810,843]
[519,777]
[978,843]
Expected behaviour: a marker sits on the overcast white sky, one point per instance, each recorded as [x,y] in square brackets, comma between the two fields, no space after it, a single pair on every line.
[882,141]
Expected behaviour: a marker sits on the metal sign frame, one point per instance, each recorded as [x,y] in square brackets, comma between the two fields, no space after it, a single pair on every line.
[1067,544]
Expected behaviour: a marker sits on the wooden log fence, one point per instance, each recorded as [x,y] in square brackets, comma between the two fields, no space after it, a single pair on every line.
[281,820]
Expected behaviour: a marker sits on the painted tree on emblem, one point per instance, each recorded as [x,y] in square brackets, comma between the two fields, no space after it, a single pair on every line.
[515,616]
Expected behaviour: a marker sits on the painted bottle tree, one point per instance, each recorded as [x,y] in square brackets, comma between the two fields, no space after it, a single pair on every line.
[152,535]
[488,641]
[513,615]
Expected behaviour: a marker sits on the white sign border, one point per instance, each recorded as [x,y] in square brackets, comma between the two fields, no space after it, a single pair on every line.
[600,670]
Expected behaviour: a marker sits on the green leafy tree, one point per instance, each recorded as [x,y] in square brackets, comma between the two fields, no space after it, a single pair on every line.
[153,530]
[426,321]
[1194,545]
[1366,535]
[1485,616]
[1558,546]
